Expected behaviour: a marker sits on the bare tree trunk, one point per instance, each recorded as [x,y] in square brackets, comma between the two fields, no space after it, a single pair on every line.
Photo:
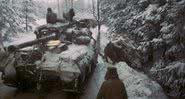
[93,5]
[99,25]
[26,15]
[58,8]
[98,18]
[66,5]
[1,43]
[71,3]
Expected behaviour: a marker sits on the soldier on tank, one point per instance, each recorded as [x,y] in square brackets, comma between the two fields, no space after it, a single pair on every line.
[112,87]
[51,17]
[69,16]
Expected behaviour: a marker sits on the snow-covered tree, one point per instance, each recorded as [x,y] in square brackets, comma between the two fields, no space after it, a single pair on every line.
[155,30]
[28,13]
[13,15]
[9,20]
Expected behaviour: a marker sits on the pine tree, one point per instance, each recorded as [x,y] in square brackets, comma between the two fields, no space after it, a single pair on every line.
[12,16]
[28,13]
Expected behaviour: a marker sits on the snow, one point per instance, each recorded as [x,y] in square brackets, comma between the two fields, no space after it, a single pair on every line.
[172,76]
[155,40]
[104,36]
[95,81]
[20,38]
[41,22]
[24,37]
[138,85]
[65,61]
[166,28]
[148,13]
[82,15]
[76,51]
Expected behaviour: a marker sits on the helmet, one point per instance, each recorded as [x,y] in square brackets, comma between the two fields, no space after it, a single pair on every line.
[49,10]
[111,73]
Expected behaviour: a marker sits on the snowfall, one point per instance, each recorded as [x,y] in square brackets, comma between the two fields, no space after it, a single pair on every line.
[138,85]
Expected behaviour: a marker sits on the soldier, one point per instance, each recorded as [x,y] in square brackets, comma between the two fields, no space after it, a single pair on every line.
[69,16]
[113,87]
[51,17]
[114,52]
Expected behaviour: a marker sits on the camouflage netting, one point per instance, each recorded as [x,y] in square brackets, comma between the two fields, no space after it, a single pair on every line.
[156,29]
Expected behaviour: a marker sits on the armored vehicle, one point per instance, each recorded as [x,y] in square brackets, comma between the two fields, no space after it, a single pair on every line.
[61,57]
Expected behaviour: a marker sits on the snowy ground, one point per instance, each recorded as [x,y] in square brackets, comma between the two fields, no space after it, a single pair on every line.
[138,85]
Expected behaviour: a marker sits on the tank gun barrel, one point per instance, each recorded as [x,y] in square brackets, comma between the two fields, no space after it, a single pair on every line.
[13,48]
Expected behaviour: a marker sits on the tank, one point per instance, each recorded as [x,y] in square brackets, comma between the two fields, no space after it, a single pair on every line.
[62,57]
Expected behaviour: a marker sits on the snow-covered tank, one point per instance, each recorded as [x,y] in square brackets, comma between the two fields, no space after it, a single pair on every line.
[62,57]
